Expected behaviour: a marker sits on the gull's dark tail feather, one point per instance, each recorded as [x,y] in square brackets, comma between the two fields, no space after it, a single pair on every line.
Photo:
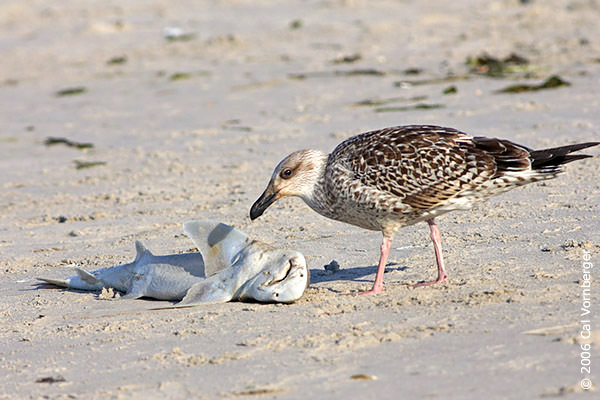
[550,160]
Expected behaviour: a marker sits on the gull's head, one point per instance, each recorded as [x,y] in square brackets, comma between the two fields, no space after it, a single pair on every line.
[295,175]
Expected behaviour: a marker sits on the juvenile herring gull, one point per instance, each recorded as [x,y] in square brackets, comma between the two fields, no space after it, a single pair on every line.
[390,178]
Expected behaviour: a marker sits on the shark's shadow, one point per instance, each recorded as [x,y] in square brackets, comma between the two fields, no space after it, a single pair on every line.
[48,286]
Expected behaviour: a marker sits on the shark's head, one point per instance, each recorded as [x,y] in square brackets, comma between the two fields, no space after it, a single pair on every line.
[283,279]
[239,268]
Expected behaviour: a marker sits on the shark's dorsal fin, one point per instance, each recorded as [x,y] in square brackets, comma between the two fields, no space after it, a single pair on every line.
[140,251]
[218,243]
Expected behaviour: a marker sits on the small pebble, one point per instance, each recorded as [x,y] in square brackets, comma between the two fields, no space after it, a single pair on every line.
[332,267]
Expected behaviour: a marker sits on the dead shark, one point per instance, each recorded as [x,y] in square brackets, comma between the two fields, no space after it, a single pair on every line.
[229,266]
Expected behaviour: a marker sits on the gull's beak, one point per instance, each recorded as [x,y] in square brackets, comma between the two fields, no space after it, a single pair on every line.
[264,201]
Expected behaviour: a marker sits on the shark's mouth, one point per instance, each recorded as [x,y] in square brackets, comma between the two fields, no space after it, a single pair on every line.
[285,273]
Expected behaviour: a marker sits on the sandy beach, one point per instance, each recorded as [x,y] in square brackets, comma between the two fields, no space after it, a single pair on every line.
[175,111]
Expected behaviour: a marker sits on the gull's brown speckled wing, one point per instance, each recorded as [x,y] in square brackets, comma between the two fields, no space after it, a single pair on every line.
[426,165]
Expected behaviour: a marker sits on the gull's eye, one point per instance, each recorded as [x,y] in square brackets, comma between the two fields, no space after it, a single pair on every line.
[286,173]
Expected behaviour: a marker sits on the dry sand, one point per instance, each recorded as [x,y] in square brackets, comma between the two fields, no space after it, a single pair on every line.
[191,129]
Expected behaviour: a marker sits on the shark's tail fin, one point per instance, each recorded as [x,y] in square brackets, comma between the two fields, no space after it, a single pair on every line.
[55,282]
[83,280]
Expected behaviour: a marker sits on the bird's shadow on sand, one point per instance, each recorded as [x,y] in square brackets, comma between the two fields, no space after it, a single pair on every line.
[351,274]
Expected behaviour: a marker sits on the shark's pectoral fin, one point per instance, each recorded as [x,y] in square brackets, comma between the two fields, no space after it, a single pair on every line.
[86,276]
[206,292]
[218,243]
[139,287]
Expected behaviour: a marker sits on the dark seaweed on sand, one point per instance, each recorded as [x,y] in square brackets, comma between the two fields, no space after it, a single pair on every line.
[71,91]
[296,24]
[497,67]
[420,106]
[550,83]
[450,90]
[347,59]
[51,141]
[117,60]
[178,76]
[383,102]
[87,164]
[51,379]
[413,71]
[431,81]
[185,37]
[325,74]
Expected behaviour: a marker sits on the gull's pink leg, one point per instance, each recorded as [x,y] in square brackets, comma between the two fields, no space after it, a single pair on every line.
[386,245]
[436,237]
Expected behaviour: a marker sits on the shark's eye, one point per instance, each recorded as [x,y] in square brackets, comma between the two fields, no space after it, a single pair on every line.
[286,173]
